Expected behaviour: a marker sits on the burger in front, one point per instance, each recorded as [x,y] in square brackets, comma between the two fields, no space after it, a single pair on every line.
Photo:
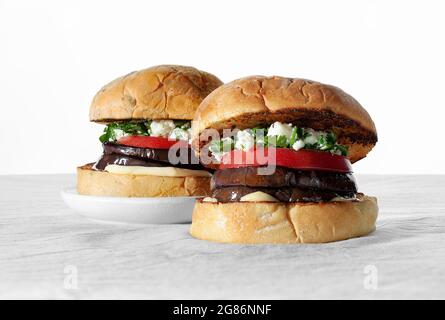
[146,150]
[282,149]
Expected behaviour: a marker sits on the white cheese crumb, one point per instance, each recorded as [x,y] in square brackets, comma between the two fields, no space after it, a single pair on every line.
[217,153]
[299,144]
[118,133]
[244,140]
[180,134]
[312,136]
[280,129]
[161,128]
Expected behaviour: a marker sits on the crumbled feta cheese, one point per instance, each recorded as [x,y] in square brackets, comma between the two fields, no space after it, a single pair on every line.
[226,144]
[310,140]
[180,134]
[244,140]
[118,133]
[278,135]
[189,133]
[312,136]
[280,129]
[161,128]
[299,144]
[214,147]
[217,151]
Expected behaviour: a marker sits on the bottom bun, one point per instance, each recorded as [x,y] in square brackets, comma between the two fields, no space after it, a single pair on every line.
[102,183]
[275,222]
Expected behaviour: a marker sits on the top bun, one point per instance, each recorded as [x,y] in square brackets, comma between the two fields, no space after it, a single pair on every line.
[257,100]
[160,92]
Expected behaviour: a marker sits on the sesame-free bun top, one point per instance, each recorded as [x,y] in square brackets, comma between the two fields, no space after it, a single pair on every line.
[259,101]
[160,92]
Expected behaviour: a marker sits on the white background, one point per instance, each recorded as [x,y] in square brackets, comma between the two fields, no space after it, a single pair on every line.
[54,56]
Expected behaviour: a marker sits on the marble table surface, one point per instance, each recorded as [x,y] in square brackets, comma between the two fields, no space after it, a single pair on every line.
[48,251]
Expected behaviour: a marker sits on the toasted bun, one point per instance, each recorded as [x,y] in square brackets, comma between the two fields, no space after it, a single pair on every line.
[161,92]
[274,222]
[101,183]
[254,101]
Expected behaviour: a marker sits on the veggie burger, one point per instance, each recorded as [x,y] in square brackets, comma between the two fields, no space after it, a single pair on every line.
[282,149]
[146,151]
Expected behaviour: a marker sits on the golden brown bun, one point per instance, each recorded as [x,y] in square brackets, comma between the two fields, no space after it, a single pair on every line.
[102,183]
[275,222]
[161,92]
[255,101]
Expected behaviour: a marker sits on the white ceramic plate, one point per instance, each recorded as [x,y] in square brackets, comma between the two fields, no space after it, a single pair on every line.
[162,210]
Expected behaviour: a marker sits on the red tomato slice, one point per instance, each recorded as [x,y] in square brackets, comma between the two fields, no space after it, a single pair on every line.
[282,157]
[151,142]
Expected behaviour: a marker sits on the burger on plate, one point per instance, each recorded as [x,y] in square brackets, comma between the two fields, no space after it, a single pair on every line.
[283,150]
[146,152]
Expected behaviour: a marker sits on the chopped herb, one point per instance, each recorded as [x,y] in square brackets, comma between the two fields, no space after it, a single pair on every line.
[313,140]
[114,131]
[294,136]
[278,141]
[342,149]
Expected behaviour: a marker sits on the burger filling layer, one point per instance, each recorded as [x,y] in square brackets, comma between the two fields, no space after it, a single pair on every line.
[285,185]
[116,154]
[172,129]
[147,144]
[278,135]
[310,166]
